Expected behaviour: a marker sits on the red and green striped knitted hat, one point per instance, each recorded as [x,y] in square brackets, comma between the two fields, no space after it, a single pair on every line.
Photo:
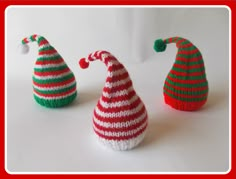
[186,86]
[54,83]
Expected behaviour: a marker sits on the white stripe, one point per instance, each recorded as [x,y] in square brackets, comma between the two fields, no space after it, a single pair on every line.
[58,97]
[118,93]
[44,46]
[124,113]
[105,55]
[122,144]
[54,88]
[117,83]
[41,66]
[99,52]
[120,124]
[49,55]
[113,62]
[92,55]
[120,134]
[119,103]
[52,76]
[117,72]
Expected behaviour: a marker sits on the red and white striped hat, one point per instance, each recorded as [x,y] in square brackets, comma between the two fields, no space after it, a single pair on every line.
[120,117]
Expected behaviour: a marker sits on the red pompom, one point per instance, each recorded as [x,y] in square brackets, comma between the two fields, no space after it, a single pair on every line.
[83,63]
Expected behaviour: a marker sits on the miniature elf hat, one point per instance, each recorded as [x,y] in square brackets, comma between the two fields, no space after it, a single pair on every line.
[54,83]
[120,117]
[186,86]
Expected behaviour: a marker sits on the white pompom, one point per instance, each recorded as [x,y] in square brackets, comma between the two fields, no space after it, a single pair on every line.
[23,48]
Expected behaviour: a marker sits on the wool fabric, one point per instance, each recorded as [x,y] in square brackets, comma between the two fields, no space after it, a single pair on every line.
[54,83]
[186,85]
[120,117]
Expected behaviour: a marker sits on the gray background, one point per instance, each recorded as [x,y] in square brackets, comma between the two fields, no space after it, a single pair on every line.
[62,140]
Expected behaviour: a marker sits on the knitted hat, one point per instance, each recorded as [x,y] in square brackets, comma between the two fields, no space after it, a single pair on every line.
[186,86]
[54,84]
[120,117]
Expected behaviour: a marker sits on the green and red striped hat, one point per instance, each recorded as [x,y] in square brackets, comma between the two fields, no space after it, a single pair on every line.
[54,83]
[186,86]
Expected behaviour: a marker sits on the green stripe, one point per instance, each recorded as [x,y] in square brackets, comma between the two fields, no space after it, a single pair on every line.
[56,57]
[188,48]
[199,62]
[185,42]
[55,91]
[46,48]
[197,85]
[55,103]
[186,99]
[173,40]
[31,38]
[64,78]
[202,69]
[178,39]
[50,69]
[40,39]
[199,92]
[188,56]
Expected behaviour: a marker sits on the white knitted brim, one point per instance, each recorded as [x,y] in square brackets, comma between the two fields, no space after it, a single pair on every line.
[124,144]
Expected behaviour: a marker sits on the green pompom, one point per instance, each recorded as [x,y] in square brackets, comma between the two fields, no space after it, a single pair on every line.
[159,45]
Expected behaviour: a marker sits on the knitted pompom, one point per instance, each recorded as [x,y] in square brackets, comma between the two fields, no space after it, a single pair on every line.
[23,48]
[159,45]
[83,63]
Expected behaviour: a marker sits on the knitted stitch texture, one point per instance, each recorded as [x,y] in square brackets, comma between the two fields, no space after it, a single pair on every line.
[54,83]
[186,86]
[120,117]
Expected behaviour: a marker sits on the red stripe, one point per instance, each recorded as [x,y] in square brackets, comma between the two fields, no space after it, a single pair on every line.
[186,45]
[55,84]
[34,36]
[184,74]
[118,88]
[185,95]
[179,42]
[187,67]
[99,55]
[123,129]
[188,52]
[184,105]
[43,42]
[194,59]
[186,81]
[52,73]
[117,78]
[121,137]
[120,119]
[47,62]
[110,59]
[26,40]
[118,98]
[112,81]
[47,52]
[57,94]
[114,68]
[118,109]
[186,89]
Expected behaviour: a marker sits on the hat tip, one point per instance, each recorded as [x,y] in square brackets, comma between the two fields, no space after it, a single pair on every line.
[83,63]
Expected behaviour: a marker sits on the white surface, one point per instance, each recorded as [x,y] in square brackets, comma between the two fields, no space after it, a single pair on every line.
[62,140]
